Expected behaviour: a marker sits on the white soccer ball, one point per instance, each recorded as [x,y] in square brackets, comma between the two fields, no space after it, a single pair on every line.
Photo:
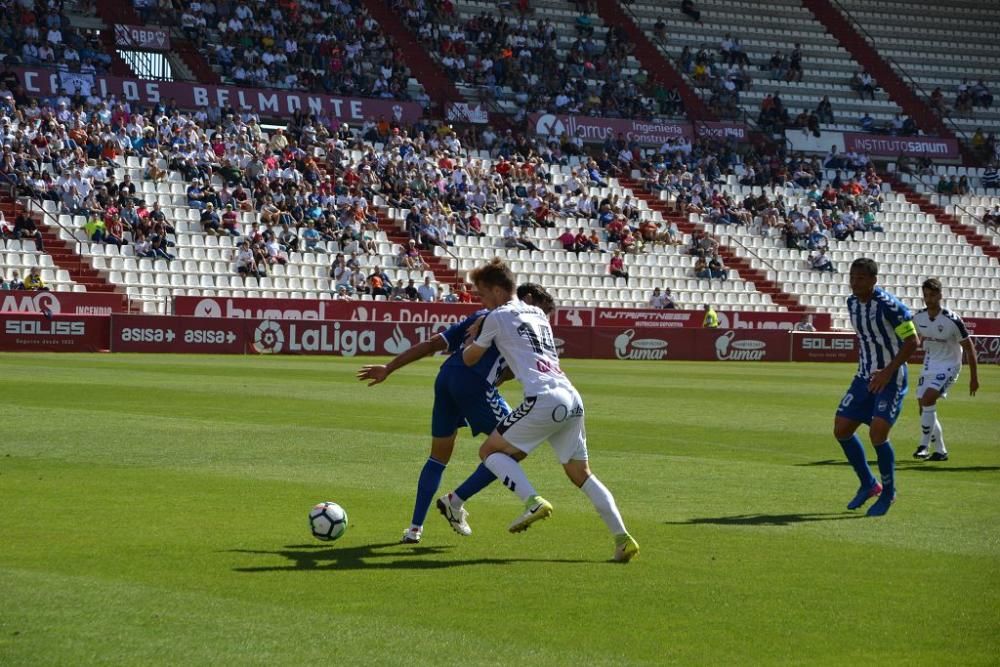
[327,521]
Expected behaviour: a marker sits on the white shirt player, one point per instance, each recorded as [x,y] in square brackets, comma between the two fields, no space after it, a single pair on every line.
[941,338]
[524,338]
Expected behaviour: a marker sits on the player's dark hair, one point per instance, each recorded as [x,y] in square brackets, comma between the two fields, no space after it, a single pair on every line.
[932,284]
[865,265]
[494,273]
[539,297]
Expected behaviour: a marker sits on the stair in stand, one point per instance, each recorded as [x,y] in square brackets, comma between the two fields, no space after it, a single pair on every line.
[732,260]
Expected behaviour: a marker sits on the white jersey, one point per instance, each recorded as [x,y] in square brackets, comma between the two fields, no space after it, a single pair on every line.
[524,338]
[941,338]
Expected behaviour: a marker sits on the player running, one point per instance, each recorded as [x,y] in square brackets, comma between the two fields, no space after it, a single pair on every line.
[887,339]
[462,396]
[943,336]
[552,409]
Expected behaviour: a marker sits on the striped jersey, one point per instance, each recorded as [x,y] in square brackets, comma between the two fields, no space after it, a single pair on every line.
[876,323]
[941,337]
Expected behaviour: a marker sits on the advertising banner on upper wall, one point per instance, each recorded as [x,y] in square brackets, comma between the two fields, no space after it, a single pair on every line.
[265,102]
[644,132]
[142,37]
[674,319]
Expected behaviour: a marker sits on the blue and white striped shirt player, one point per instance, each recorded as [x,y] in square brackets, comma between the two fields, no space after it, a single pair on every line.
[879,323]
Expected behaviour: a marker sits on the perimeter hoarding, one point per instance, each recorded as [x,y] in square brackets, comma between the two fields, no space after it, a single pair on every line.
[33,332]
[76,303]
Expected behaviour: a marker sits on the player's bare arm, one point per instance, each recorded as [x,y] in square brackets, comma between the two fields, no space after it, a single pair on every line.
[377,373]
[472,354]
[970,358]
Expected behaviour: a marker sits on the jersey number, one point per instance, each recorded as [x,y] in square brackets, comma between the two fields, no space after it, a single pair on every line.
[539,344]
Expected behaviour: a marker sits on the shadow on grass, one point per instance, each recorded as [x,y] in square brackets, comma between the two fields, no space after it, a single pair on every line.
[386,556]
[764,519]
[908,465]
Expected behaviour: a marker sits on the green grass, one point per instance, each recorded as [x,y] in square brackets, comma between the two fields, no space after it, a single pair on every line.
[153,511]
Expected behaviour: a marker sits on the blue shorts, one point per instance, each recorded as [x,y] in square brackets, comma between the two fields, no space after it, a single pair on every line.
[463,398]
[861,405]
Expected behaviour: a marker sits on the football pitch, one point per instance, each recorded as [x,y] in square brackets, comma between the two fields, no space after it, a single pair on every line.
[153,511]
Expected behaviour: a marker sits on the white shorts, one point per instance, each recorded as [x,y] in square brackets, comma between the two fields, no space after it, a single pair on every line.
[556,416]
[939,378]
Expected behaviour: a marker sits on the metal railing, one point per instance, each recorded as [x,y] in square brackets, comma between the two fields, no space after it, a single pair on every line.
[931,189]
[900,70]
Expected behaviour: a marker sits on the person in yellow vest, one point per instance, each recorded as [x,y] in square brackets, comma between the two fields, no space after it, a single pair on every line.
[711,320]
[34,280]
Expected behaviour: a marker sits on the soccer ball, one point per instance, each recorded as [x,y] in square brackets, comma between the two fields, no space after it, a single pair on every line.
[327,521]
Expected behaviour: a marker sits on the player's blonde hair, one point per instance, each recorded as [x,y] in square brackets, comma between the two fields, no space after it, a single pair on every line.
[494,273]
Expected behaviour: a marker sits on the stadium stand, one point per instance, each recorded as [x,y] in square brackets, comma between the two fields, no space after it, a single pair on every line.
[728,57]
[554,58]
[950,48]
[683,217]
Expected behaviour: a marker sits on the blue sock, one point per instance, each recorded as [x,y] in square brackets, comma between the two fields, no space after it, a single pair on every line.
[855,453]
[887,466]
[427,486]
[480,478]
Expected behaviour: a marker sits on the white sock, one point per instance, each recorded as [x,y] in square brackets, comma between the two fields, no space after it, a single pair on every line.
[455,501]
[927,419]
[939,438]
[604,503]
[510,474]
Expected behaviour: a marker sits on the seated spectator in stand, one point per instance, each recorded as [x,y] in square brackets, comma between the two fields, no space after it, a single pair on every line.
[95,229]
[141,245]
[246,262]
[288,239]
[688,9]
[210,221]
[34,281]
[587,243]
[231,221]
[863,84]
[411,292]
[981,95]
[526,243]
[196,195]
[159,248]
[867,123]
[805,324]
[616,267]
[463,293]
[14,282]
[275,253]
[24,228]
[992,218]
[701,268]
[820,262]
[398,291]
[991,178]
[378,287]
[115,231]
[409,257]
[427,291]
[717,269]
[657,299]
[568,241]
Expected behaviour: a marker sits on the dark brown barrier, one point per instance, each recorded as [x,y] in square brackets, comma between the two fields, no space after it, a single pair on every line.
[78,303]
[321,309]
[190,335]
[685,344]
[679,319]
[32,332]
